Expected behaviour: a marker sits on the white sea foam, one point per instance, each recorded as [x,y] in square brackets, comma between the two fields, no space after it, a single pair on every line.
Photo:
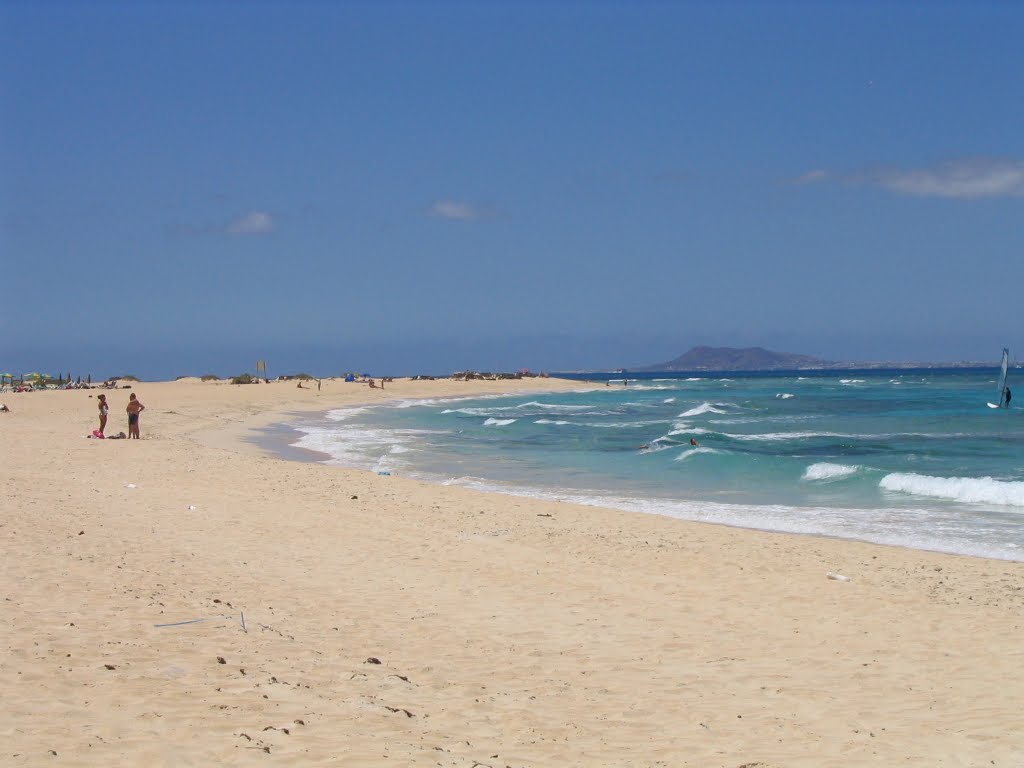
[971,490]
[416,401]
[475,411]
[464,480]
[684,455]
[342,414]
[851,381]
[826,471]
[686,429]
[669,400]
[703,408]
[621,424]
[499,422]
[659,444]
[784,396]
[358,446]
[559,406]
[768,437]
[557,422]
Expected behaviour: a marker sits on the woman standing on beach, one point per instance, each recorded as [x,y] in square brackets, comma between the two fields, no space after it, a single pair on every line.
[103,413]
[135,407]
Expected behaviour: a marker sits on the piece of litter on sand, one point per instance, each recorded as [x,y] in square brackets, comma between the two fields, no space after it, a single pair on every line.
[837,576]
[383,472]
[191,506]
[191,621]
[131,485]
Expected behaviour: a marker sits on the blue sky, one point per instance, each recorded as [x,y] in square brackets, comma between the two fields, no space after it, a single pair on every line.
[185,187]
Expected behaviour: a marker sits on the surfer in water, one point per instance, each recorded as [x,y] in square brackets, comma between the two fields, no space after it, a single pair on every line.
[693,442]
[1007,394]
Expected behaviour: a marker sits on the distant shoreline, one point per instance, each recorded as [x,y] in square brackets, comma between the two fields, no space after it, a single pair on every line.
[852,368]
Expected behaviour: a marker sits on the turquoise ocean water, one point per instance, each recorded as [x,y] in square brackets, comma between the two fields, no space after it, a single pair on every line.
[911,458]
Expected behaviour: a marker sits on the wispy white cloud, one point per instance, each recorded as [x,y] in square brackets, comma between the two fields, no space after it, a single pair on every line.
[967,179]
[811,177]
[253,223]
[964,179]
[451,209]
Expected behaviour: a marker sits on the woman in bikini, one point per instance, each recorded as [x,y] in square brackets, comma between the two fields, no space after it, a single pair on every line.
[103,413]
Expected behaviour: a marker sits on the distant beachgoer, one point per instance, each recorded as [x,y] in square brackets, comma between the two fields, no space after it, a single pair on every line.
[299,385]
[693,441]
[373,384]
[135,407]
[318,385]
[104,409]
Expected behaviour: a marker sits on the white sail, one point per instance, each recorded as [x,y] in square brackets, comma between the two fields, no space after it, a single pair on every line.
[1002,378]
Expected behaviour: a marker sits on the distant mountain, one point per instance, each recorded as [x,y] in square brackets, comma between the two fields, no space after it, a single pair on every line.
[732,359]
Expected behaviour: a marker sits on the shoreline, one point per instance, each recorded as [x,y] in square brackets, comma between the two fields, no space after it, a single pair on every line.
[541,631]
[271,439]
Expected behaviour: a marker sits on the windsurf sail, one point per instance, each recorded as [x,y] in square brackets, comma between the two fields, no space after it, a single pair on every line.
[1003,401]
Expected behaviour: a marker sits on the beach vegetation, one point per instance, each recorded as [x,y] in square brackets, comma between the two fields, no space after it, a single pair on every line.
[126,377]
[210,377]
[245,378]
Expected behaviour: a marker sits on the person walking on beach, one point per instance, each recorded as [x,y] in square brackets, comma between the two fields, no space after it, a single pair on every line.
[103,414]
[135,407]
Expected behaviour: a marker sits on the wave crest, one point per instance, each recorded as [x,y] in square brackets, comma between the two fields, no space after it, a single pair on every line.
[971,490]
[702,408]
[684,455]
[827,471]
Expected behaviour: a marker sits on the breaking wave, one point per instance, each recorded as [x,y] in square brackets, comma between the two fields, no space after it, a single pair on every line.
[703,408]
[826,471]
[971,490]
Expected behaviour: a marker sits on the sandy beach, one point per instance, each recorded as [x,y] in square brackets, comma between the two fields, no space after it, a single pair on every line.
[190,600]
